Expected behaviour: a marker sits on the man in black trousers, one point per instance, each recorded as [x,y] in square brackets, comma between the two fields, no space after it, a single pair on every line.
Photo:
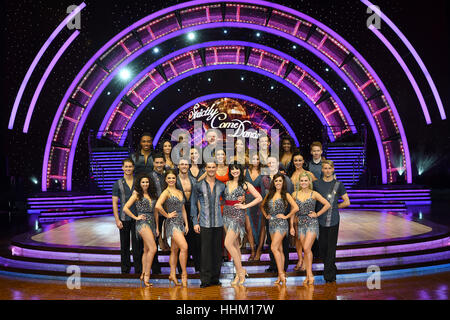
[207,220]
[331,189]
[122,190]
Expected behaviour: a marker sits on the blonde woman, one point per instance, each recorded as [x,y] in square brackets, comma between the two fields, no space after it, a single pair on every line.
[307,222]
[299,162]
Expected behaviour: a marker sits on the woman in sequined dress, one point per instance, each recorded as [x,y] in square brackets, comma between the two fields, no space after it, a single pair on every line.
[176,226]
[274,208]
[307,223]
[145,198]
[234,212]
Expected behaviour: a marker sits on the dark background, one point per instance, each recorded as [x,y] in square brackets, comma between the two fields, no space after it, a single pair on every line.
[27,24]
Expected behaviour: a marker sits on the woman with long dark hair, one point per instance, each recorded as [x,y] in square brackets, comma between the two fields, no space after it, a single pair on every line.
[274,208]
[145,196]
[196,169]
[234,215]
[176,225]
[254,222]
[166,150]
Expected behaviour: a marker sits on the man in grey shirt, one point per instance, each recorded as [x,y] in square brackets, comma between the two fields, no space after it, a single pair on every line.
[207,220]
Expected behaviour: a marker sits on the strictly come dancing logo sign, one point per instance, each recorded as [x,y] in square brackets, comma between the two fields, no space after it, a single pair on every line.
[236,126]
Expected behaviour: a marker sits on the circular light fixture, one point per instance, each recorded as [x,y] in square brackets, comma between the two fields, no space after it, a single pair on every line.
[125,74]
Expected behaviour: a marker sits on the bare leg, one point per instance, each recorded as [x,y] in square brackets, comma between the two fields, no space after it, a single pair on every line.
[230,244]
[308,241]
[149,250]
[250,237]
[180,242]
[277,249]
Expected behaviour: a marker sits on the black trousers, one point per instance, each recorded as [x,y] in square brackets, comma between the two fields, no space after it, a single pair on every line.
[129,231]
[285,242]
[211,254]
[328,237]
[156,266]
[193,240]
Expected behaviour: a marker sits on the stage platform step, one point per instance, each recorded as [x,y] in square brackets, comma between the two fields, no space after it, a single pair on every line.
[27,257]
[54,207]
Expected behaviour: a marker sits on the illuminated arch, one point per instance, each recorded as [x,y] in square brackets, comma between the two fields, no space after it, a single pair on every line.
[201,14]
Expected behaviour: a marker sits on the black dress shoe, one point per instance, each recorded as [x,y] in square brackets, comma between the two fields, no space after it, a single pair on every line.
[204,285]
[271,270]
[216,283]
[125,271]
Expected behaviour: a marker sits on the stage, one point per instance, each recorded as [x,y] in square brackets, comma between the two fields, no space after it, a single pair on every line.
[391,241]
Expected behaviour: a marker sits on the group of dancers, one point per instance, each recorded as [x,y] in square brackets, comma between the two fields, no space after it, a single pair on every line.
[200,201]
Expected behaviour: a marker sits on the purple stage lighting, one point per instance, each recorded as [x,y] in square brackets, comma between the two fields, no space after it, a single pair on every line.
[414,53]
[36,61]
[45,76]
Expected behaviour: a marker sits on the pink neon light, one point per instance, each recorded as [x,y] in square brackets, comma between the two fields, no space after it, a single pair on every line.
[380,111]
[325,37]
[137,95]
[71,120]
[173,69]
[281,67]
[86,92]
[151,32]
[238,13]
[125,48]
[296,28]
[260,58]
[208,15]
[330,113]
[301,78]
[365,85]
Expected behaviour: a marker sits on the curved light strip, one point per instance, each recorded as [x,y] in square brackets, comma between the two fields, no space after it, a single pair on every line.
[36,60]
[406,70]
[45,76]
[236,43]
[223,67]
[414,53]
[283,34]
[223,95]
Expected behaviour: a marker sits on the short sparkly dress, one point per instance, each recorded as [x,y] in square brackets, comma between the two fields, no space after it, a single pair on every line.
[305,222]
[145,207]
[234,218]
[276,224]
[174,204]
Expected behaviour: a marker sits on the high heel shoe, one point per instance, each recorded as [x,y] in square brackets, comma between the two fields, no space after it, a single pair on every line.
[173,278]
[311,281]
[283,278]
[257,255]
[184,280]
[242,276]
[236,280]
[299,266]
[278,281]
[141,279]
[146,280]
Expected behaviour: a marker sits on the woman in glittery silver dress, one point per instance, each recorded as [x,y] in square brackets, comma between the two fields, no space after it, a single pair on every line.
[274,208]
[234,212]
[307,223]
[171,205]
[145,197]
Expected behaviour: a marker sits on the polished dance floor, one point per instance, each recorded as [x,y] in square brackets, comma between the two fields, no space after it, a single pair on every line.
[412,256]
